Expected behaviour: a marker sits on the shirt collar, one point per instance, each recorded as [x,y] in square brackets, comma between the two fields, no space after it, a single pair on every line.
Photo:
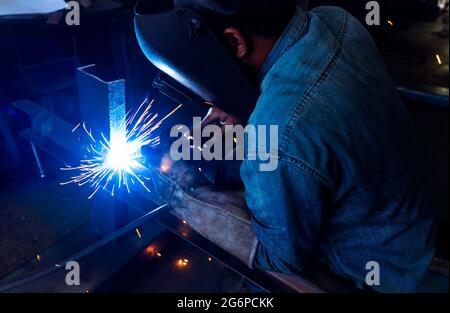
[294,31]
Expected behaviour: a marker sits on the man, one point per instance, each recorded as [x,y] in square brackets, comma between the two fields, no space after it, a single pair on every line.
[352,185]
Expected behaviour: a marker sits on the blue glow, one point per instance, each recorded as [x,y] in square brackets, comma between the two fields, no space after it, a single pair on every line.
[118,162]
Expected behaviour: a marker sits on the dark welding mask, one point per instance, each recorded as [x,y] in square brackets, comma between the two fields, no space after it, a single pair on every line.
[180,43]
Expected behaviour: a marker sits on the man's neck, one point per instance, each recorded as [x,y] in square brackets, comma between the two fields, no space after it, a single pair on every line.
[262,46]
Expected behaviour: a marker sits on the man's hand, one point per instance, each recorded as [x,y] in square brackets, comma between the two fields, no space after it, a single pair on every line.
[171,178]
[216,115]
[219,215]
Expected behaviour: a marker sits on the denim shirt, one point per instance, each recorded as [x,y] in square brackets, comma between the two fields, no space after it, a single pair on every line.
[352,184]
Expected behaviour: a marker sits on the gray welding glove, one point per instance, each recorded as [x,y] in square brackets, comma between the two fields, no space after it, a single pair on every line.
[220,216]
[173,179]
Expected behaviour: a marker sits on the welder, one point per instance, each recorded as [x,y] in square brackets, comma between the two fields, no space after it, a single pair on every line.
[352,186]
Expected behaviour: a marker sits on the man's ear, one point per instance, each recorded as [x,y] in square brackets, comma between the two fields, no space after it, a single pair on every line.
[237,40]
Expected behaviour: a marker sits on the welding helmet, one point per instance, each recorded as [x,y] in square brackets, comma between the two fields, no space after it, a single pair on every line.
[179,42]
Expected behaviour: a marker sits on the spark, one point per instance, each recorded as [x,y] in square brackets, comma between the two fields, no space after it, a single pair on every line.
[150,250]
[76,127]
[118,162]
[210,259]
[166,165]
[438,58]
[38,258]
[390,23]
[182,263]
[138,233]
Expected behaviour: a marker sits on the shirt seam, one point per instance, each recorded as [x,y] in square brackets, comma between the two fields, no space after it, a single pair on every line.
[299,32]
[299,108]
[308,169]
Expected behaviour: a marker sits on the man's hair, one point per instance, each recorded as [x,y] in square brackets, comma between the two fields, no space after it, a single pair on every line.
[261,17]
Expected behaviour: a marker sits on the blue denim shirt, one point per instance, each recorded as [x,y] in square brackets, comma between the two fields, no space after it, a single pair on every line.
[352,183]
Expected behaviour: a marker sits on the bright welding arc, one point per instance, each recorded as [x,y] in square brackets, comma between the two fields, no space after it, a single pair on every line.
[118,162]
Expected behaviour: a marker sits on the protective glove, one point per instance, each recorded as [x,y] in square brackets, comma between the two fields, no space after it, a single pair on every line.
[172,180]
[218,215]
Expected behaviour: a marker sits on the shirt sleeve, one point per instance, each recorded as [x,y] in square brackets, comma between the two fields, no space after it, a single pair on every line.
[288,207]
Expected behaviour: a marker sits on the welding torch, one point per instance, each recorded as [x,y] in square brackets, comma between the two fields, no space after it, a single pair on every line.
[180,94]
[199,107]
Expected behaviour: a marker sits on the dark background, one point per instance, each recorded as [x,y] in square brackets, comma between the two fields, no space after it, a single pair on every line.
[38,60]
